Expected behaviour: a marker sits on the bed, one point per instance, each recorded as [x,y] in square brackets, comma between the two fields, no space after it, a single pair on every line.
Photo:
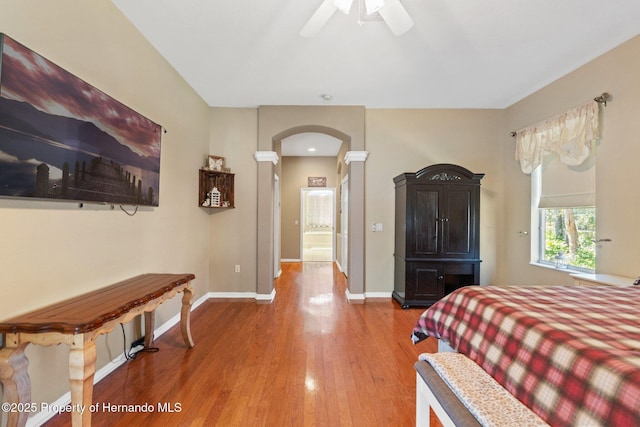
[569,354]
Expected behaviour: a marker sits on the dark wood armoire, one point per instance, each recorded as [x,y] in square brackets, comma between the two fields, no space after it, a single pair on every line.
[437,233]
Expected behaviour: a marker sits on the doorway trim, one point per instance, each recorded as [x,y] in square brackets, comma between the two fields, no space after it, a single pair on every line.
[276,226]
[344,226]
[303,212]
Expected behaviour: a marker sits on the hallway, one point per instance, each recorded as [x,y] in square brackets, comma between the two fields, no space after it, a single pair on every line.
[310,358]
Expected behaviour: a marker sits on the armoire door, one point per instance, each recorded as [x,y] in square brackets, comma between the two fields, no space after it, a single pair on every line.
[425,226]
[425,281]
[458,222]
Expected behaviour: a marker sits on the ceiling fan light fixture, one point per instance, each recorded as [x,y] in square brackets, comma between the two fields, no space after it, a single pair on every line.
[391,11]
[373,6]
[343,6]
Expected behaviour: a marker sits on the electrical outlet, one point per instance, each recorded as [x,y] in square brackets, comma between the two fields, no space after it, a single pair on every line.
[139,341]
[237,268]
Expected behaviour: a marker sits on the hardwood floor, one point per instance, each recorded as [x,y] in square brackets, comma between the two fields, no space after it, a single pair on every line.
[308,359]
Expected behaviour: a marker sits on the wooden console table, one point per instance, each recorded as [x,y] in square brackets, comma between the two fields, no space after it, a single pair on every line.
[77,322]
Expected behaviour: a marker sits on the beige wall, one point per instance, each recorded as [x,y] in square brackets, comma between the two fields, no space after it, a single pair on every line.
[408,140]
[55,250]
[232,238]
[295,171]
[618,200]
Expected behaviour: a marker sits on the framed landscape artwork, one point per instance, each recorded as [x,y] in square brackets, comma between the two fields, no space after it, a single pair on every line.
[61,138]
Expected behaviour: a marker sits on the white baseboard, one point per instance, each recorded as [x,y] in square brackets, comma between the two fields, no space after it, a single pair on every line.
[354,297]
[266,297]
[364,296]
[243,295]
[290,260]
[377,294]
[231,295]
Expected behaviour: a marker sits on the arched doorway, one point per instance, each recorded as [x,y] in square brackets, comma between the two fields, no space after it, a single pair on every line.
[345,123]
[311,176]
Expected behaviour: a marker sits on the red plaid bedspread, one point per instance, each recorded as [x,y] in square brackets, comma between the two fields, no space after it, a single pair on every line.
[571,354]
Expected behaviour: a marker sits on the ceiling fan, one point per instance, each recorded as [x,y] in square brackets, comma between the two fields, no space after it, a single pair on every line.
[391,11]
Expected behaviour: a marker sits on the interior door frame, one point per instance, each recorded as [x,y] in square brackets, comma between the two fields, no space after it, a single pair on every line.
[333,218]
[276,226]
[344,225]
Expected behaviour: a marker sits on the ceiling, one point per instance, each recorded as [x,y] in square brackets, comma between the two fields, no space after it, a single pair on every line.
[310,144]
[459,53]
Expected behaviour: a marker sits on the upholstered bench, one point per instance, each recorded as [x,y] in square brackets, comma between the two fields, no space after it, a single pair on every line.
[462,394]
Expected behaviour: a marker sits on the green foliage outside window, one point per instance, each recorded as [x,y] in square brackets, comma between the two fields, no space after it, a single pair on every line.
[571,232]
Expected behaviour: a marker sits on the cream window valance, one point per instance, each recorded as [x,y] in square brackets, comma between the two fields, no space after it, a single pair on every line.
[570,135]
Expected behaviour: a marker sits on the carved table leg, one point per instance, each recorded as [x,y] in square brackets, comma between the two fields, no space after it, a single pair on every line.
[149,327]
[15,379]
[185,315]
[82,367]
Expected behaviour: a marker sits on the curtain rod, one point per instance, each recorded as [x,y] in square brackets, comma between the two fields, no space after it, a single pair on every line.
[602,99]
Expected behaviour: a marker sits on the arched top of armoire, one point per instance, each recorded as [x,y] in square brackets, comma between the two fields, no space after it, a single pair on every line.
[444,172]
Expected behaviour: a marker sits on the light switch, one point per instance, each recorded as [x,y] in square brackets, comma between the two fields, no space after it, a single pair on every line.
[376,226]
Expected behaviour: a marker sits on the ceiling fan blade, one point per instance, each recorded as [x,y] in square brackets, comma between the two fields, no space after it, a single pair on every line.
[396,17]
[319,19]
[343,5]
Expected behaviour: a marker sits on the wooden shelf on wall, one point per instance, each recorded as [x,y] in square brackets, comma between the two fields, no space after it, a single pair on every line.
[223,181]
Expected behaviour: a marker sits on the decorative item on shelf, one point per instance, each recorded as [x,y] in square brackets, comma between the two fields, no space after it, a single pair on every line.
[226,170]
[214,198]
[215,163]
[560,261]
[225,204]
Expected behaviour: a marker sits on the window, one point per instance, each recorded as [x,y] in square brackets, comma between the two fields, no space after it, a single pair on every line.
[568,237]
[560,155]
[564,214]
